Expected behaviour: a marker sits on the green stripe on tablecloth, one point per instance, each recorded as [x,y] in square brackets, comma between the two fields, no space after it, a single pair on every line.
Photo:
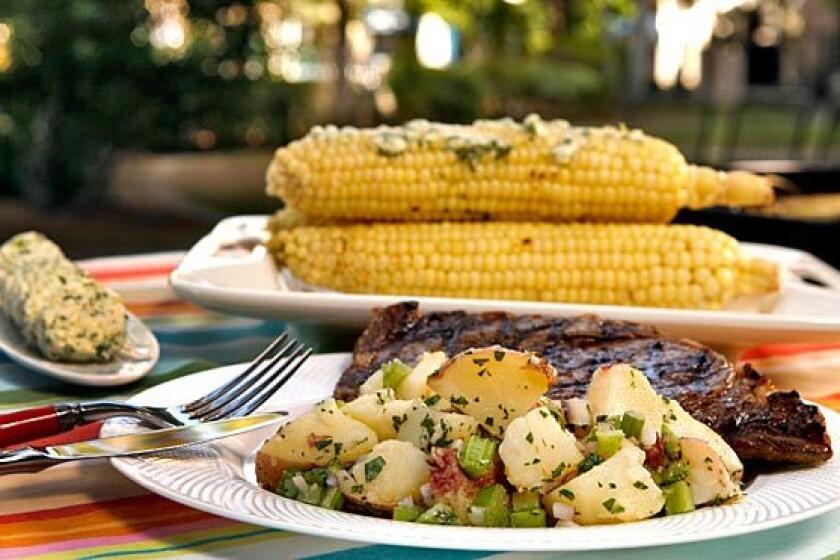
[385,552]
[63,392]
[206,544]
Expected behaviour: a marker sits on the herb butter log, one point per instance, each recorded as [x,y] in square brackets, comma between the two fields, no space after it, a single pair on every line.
[535,170]
[60,310]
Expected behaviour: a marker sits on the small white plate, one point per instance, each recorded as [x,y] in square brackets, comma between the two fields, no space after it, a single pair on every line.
[230,271]
[119,371]
[220,479]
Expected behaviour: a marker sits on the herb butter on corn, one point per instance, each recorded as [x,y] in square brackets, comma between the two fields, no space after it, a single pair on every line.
[58,307]
[534,170]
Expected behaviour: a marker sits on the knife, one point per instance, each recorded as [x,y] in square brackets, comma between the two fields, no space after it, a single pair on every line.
[34,459]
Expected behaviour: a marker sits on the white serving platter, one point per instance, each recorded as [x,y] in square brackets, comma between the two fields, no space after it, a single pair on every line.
[219,478]
[230,271]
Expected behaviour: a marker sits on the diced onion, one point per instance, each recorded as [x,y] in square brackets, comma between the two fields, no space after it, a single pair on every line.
[300,483]
[577,412]
[457,445]
[332,481]
[605,427]
[426,492]
[408,501]
[648,437]
[477,516]
[562,512]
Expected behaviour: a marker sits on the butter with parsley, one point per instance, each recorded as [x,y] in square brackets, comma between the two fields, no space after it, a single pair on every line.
[60,310]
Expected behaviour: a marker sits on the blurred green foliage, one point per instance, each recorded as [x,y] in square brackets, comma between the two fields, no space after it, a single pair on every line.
[86,83]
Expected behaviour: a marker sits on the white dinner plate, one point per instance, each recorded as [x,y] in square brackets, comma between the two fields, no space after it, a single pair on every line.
[219,478]
[230,271]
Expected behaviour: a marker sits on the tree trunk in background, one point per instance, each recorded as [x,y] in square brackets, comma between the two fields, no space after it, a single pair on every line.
[343,103]
[640,55]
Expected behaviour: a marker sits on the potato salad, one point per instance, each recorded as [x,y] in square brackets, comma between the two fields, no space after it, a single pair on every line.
[472,440]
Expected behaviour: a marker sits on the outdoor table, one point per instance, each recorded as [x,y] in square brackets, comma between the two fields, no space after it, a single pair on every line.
[89,510]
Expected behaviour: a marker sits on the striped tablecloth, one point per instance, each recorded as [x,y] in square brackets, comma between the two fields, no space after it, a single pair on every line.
[88,510]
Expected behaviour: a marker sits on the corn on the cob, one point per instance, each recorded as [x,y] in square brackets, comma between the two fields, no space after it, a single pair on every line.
[622,264]
[530,171]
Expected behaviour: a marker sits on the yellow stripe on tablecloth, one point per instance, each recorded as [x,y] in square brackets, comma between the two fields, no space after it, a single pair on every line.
[64,485]
[174,545]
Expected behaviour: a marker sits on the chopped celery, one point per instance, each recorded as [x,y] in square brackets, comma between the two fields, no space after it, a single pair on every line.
[522,501]
[312,495]
[608,443]
[476,457]
[333,499]
[632,424]
[674,472]
[286,487]
[493,499]
[678,498]
[407,513]
[438,514]
[671,442]
[529,518]
[393,374]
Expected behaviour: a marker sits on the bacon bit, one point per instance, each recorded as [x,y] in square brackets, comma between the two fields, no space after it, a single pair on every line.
[447,476]
[655,456]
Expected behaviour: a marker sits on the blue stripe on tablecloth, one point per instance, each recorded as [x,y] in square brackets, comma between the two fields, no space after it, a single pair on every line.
[385,552]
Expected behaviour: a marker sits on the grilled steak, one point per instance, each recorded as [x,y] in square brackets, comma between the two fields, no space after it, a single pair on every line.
[759,423]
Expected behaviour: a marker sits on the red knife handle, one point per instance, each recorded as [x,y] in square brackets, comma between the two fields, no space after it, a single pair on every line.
[36,423]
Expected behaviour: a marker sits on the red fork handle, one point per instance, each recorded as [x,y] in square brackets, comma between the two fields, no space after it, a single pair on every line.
[35,423]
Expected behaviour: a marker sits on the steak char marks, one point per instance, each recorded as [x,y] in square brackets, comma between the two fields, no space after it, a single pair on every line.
[742,406]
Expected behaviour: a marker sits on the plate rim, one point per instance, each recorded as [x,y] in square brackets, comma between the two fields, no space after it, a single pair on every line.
[186,281]
[426,541]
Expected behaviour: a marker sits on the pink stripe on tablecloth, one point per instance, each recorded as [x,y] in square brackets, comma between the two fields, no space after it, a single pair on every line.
[156,533]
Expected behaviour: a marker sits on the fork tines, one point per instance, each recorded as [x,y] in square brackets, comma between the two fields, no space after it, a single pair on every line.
[262,378]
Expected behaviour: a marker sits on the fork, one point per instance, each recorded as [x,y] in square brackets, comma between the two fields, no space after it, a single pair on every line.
[267,373]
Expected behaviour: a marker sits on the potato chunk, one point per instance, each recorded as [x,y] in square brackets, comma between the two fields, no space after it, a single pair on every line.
[313,440]
[683,425]
[379,411]
[414,386]
[392,471]
[707,474]
[537,451]
[494,385]
[425,427]
[618,490]
[621,388]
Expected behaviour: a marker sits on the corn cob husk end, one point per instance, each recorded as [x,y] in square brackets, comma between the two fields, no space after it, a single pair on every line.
[734,188]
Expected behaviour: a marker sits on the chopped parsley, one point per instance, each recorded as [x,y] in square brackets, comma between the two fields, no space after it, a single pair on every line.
[529,438]
[323,443]
[459,400]
[612,506]
[499,355]
[589,462]
[373,468]
[640,485]
[432,400]
[398,421]
[566,493]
